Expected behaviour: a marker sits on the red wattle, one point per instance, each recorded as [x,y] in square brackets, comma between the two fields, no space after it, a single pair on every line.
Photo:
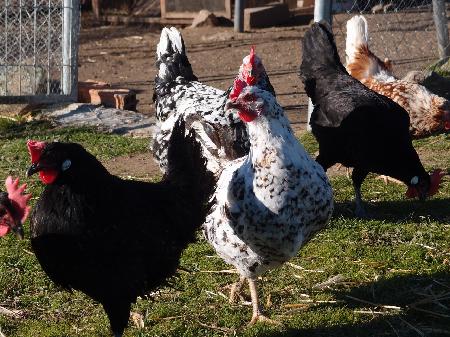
[247,117]
[447,125]
[251,80]
[412,192]
[5,220]
[48,176]
[435,178]
[3,230]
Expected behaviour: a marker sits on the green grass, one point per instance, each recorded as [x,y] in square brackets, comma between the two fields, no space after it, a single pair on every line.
[399,257]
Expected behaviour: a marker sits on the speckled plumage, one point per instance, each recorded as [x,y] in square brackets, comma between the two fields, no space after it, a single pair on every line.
[428,112]
[271,202]
[177,94]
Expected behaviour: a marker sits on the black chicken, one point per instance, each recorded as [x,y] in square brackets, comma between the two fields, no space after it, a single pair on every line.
[356,126]
[115,239]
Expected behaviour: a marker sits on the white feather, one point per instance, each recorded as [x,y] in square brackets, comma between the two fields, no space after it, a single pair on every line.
[357,35]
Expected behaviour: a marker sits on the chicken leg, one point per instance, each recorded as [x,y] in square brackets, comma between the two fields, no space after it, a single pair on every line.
[236,289]
[358,177]
[257,315]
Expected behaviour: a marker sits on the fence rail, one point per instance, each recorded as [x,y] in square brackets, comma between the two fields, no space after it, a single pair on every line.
[38,50]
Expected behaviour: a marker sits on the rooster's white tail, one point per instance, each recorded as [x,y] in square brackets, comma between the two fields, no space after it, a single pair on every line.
[357,35]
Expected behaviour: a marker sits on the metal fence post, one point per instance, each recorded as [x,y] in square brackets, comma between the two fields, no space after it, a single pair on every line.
[69,48]
[239,6]
[66,48]
[440,21]
[322,11]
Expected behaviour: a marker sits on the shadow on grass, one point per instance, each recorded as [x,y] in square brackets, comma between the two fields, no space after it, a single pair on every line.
[407,305]
[400,211]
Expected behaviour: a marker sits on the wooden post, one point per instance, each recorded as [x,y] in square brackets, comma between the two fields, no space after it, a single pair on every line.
[440,21]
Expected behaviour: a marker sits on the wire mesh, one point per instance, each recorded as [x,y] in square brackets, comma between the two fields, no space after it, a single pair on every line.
[401,30]
[38,47]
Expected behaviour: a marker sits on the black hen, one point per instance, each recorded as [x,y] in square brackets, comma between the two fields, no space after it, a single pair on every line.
[115,239]
[356,126]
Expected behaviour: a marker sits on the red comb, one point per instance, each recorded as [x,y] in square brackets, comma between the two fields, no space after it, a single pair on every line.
[252,55]
[18,199]
[238,86]
[436,178]
[35,149]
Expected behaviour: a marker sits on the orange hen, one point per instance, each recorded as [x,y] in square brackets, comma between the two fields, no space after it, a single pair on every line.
[429,113]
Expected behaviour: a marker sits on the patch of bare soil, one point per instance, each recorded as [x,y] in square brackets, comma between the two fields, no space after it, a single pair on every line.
[125,56]
[140,166]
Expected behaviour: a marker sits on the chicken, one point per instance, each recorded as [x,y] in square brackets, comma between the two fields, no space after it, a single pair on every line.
[178,93]
[354,125]
[428,113]
[14,207]
[268,204]
[110,238]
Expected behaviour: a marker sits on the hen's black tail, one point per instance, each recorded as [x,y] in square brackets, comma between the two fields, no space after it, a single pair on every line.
[171,62]
[319,52]
[186,169]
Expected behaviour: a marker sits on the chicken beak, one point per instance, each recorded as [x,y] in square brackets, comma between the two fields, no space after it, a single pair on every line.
[34,168]
[18,230]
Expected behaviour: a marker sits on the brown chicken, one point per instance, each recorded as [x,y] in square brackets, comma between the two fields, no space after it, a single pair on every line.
[428,113]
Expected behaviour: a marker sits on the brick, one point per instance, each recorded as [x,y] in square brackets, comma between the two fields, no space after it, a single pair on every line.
[123,99]
[85,86]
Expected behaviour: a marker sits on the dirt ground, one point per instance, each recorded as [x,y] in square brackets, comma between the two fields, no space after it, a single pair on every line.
[125,56]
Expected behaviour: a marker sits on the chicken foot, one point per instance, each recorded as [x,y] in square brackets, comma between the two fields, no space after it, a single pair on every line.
[236,289]
[257,315]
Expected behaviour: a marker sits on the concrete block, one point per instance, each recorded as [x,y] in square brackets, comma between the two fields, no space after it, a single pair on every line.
[266,16]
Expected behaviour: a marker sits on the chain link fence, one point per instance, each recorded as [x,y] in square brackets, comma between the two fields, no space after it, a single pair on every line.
[38,50]
[402,30]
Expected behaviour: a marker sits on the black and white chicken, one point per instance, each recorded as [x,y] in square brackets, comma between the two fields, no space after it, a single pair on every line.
[178,93]
[268,204]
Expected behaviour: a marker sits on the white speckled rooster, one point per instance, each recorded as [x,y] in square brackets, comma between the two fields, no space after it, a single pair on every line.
[178,93]
[269,203]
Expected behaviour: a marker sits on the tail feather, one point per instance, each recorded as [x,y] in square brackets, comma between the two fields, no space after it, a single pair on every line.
[186,167]
[361,62]
[357,36]
[319,53]
[171,61]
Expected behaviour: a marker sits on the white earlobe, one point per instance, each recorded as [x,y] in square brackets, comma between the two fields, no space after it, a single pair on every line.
[414,180]
[66,164]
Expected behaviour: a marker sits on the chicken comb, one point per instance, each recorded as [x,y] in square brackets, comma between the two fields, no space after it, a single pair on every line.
[252,55]
[18,200]
[436,178]
[35,149]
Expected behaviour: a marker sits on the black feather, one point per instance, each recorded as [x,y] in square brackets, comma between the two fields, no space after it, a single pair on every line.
[354,125]
[117,239]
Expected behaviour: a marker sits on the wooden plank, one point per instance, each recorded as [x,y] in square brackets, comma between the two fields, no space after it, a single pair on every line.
[163,8]
[266,16]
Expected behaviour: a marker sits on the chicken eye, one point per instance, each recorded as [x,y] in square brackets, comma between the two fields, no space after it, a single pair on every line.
[66,164]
